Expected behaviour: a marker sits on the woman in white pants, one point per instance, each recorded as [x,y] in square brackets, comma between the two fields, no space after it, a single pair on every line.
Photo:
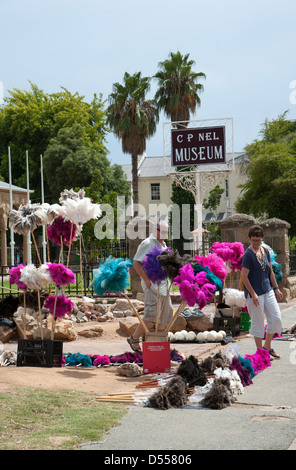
[261,291]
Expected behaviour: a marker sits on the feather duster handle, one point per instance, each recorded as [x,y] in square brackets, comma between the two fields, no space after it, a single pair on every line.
[111,276]
[14,278]
[62,231]
[152,266]
[59,305]
[81,211]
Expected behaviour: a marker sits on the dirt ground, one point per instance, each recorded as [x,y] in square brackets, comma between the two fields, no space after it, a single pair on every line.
[95,381]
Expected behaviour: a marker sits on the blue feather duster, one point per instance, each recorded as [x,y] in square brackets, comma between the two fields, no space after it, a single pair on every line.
[111,276]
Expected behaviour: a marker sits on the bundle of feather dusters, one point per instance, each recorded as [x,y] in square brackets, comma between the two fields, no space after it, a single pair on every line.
[234,297]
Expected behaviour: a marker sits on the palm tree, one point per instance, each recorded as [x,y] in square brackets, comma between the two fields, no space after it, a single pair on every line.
[132,118]
[178,90]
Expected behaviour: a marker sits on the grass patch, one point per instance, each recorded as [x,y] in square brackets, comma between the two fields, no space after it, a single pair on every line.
[35,419]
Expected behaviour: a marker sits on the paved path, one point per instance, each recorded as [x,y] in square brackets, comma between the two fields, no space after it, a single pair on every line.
[263,418]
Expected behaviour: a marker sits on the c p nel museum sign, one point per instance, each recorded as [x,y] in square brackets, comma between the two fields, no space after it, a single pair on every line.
[198,146]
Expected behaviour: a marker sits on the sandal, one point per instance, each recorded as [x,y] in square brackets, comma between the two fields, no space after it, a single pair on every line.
[274,354]
[131,341]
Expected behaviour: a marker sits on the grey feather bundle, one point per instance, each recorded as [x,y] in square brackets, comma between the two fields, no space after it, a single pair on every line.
[27,218]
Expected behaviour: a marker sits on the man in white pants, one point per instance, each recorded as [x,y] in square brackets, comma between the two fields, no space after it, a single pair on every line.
[157,237]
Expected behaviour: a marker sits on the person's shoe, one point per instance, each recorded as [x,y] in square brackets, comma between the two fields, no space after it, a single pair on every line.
[133,342]
[274,354]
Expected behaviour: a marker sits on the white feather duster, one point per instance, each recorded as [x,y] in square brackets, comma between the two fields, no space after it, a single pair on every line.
[235,381]
[52,211]
[234,297]
[81,211]
[33,277]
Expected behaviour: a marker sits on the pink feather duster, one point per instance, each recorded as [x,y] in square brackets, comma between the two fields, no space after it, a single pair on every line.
[61,275]
[14,278]
[214,263]
[231,253]
[194,288]
[63,305]
[260,360]
[61,230]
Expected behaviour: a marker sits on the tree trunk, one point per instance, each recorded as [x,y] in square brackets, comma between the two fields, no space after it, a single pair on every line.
[135,183]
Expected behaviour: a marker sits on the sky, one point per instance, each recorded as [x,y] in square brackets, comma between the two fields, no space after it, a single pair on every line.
[246,50]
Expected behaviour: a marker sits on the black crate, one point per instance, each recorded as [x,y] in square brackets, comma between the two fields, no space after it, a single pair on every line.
[39,353]
[227,324]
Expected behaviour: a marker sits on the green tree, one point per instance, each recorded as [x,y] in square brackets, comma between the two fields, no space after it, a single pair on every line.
[270,190]
[178,87]
[132,118]
[30,119]
[70,161]
[213,201]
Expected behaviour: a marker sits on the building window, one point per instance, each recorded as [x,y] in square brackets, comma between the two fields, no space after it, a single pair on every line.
[155,192]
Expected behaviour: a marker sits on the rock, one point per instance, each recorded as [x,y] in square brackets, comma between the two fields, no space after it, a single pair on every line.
[180,324]
[91,332]
[201,324]
[64,330]
[128,325]
[129,370]
[46,332]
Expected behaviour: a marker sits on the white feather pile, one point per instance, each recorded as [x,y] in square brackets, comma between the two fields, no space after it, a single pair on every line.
[81,211]
[33,277]
[234,297]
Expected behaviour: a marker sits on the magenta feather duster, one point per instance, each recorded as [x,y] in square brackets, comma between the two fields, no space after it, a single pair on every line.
[63,305]
[214,263]
[61,275]
[61,231]
[14,278]
[194,288]
[260,360]
[231,253]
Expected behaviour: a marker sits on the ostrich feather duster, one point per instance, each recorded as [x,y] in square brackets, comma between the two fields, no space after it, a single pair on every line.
[33,278]
[171,395]
[111,276]
[194,288]
[52,211]
[60,275]
[219,396]
[81,211]
[152,266]
[210,275]
[214,263]
[244,374]
[171,262]
[14,278]
[260,360]
[63,305]
[61,231]
[235,382]
[71,194]
[229,252]
[276,267]
[27,218]
[234,297]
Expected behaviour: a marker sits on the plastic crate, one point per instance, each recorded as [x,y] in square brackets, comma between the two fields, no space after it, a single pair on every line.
[227,324]
[245,321]
[39,353]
